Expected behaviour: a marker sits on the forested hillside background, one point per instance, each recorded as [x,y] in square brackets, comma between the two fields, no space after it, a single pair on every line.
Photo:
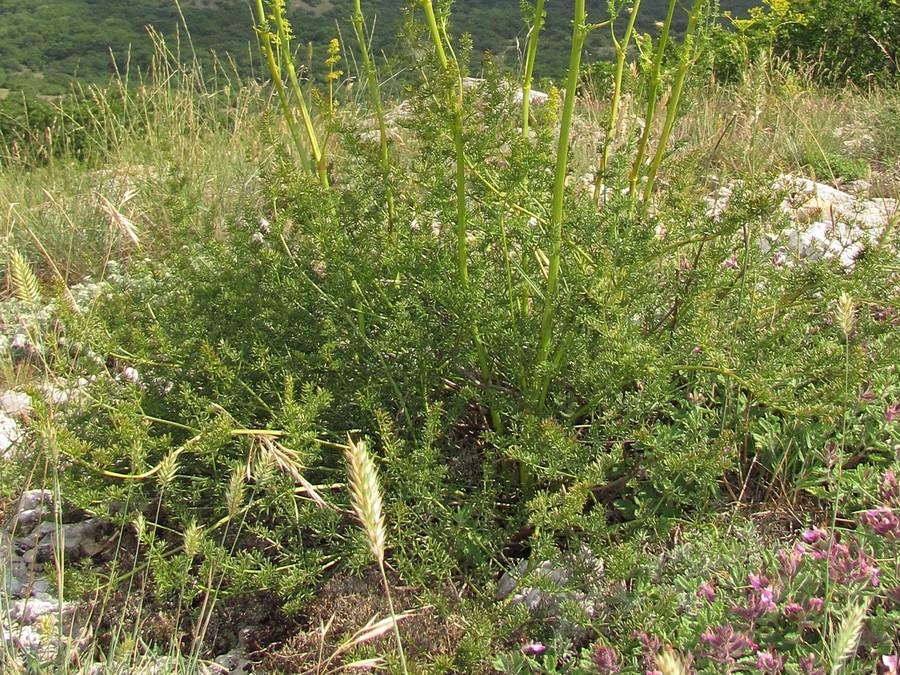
[44,43]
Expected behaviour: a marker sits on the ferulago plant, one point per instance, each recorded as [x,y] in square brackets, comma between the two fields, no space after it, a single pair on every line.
[545,363]
[621,47]
[374,89]
[276,46]
[455,93]
[687,54]
[655,78]
[534,31]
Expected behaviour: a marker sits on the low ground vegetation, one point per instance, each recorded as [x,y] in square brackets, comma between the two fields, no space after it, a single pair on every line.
[688,464]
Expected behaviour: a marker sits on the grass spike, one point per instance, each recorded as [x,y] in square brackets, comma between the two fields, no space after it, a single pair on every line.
[25,282]
[846,642]
[365,496]
[668,663]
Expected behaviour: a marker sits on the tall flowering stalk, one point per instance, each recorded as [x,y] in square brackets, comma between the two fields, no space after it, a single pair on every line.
[450,67]
[334,73]
[686,58]
[451,70]
[687,55]
[268,41]
[621,54]
[365,496]
[652,95]
[281,37]
[375,94]
[544,363]
[537,24]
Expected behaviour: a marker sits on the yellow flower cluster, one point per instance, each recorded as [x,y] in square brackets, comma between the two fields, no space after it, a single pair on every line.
[334,57]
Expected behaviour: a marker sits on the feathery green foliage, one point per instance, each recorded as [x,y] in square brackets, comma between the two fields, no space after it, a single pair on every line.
[693,401]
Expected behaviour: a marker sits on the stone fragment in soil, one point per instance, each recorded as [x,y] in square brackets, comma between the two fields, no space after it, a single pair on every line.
[30,613]
[16,404]
[823,221]
[11,434]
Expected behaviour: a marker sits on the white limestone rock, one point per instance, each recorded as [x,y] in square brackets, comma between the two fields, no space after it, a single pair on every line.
[16,404]
[11,435]
[824,222]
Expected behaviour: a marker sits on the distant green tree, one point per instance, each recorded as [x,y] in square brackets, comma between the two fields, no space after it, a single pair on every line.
[852,39]
[842,40]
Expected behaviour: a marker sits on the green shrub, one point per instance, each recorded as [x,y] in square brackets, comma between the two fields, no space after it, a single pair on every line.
[687,376]
[844,39]
[838,41]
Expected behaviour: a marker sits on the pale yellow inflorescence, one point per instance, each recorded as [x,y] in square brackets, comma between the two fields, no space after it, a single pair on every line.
[365,496]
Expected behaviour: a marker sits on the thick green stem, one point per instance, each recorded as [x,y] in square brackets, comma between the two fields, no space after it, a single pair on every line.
[543,363]
[684,65]
[462,253]
[266,42]
[652,91]
[451,72]
[375,93]
[435,32]
[621,54]
[287,57]
[536,25]
[462,224]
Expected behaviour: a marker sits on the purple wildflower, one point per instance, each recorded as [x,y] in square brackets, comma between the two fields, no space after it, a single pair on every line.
[845,568]
[883,521]
[724,645]
[534,649]
[793,611]
[892,412]
[707,591]
[651,647]
[889,664]
[606,660]
[759,603]
[758,582]
[808,666]
[731,263]
[814,535]
[814,605]
[770,662]
[890,490]
[789,561]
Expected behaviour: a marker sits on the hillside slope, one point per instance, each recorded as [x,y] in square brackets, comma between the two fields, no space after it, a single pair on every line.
[43,43]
